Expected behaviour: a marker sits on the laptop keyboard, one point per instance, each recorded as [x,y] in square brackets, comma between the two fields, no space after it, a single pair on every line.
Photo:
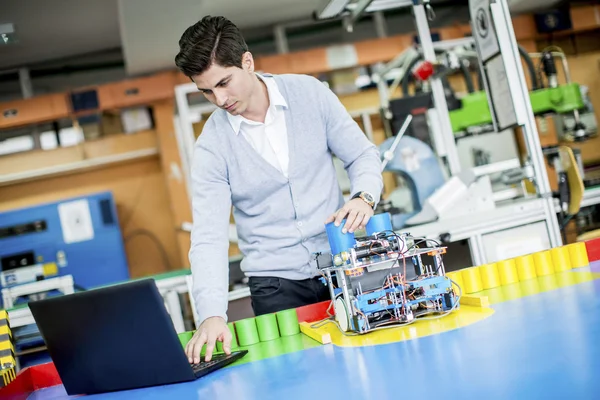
[217,361]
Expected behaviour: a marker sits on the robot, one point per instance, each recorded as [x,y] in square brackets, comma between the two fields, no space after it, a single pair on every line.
[380,280]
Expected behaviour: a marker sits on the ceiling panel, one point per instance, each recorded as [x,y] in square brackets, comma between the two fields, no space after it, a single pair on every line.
[147,30]
[49,30]
[150,29]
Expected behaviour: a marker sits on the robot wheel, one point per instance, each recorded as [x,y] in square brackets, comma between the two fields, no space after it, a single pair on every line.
[341,314]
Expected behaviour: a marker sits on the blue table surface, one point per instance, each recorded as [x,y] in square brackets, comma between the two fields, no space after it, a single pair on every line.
[545,346]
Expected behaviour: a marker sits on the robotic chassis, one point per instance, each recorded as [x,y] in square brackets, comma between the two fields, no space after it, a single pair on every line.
[380,280]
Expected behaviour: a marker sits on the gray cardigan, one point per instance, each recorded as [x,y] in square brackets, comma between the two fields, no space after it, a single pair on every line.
[279,221]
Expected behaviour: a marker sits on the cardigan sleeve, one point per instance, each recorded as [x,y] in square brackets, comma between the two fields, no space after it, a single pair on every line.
[208,255]
[349,143]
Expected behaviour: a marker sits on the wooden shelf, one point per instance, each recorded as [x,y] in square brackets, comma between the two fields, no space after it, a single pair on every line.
[18,113]
[136,92]
[76,167]
[95,154]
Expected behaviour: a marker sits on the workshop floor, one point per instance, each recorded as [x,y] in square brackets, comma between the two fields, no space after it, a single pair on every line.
[541,343]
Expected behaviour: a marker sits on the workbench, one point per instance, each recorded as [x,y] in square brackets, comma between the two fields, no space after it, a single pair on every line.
[539,340]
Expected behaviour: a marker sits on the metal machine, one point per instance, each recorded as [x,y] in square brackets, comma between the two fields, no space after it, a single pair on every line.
[381,279]
[432,196]
[566,101]
[78,237]
[520,222]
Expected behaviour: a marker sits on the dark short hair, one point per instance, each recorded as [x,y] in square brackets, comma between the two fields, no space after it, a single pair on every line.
[210,40]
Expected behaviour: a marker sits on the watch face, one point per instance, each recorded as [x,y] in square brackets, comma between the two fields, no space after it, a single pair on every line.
[368,197]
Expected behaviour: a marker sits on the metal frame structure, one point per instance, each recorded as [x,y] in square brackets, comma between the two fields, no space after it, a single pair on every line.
[381,279]
[474,228]
[64,284]
[509,53]
[591,197]
[354,308]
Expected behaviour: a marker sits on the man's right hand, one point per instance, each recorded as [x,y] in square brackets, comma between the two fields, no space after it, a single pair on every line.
[211,330]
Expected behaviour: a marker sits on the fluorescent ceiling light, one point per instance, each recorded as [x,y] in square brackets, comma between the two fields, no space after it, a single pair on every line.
[381,5]
[335,8]
[7,34]
[331,8]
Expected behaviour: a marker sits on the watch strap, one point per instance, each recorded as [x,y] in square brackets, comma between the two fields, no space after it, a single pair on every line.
[358,195]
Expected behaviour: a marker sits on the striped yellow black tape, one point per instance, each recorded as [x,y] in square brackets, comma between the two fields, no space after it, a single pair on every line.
[8,353]
[5,330]
[6,344]
[7,349]
[8,375]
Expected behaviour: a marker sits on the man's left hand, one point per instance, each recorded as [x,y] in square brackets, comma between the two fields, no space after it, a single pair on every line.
[357,213]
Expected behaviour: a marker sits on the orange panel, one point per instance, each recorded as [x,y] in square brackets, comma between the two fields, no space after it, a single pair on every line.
[381,50]
[451,32]
[584,18]
[277,64]
[181,79]
[309,61]
[33,110]
[465,30]
[529,45]
[524,26]
[134,92]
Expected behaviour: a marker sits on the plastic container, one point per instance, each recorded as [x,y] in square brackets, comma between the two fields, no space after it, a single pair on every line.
[561,259]
[234,343]
[247,332]
[490,278]
[267,327]
[526,267]
[379,223]
[288,322]
[471,278]
[543,263]
[338,241]
[578,253]
[185,337]
[507,269]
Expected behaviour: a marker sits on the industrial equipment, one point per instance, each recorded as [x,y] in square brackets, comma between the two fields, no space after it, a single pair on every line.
[7,351]
[432,196]
[421,173]
[566,101]
[79,237]
[380,279]
[470,113]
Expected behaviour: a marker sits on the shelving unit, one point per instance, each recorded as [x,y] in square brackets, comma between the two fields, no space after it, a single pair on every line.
[87,156]
[137,155]
[77,166]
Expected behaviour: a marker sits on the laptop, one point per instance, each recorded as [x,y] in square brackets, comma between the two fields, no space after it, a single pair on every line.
[116,338]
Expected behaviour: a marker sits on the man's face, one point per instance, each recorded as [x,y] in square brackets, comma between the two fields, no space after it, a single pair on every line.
[229,88]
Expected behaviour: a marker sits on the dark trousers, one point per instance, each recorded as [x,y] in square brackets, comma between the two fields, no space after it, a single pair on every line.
[270,294]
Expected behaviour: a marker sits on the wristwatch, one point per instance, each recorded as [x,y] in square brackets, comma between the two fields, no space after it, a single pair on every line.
[366,197]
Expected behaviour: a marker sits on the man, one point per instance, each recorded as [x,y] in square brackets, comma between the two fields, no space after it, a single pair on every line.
[267,151]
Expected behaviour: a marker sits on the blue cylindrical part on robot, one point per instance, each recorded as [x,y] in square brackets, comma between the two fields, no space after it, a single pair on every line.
[379,223]
[339,241]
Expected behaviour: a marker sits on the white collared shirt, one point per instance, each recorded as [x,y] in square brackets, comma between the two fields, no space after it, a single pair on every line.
[269,139]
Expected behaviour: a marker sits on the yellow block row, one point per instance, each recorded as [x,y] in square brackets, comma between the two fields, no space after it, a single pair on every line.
[506,272]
